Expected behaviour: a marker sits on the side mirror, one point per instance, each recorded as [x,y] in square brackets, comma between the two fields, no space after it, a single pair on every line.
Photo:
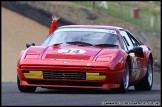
[30,44]
[137,50]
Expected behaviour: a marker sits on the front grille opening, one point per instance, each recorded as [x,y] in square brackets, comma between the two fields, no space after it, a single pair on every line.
[45,82]
[64,75]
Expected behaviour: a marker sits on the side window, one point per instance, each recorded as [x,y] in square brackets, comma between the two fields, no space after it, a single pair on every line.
[125,43]
[134,41]
[128,40]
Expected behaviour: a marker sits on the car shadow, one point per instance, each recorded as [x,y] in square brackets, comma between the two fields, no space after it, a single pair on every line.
[89,91]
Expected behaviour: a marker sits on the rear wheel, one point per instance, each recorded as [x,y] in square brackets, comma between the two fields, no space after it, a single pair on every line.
[146,83]
[25,88]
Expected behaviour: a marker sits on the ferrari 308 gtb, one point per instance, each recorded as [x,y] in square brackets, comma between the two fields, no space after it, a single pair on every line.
[86,56]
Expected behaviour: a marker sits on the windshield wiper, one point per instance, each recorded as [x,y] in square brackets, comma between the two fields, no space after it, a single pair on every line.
[107,45]
[57,44]
[79,43]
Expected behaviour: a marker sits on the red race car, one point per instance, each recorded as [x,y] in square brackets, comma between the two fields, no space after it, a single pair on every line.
[86,56]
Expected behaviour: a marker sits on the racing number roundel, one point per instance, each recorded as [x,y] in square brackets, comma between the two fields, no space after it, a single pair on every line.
[72,51]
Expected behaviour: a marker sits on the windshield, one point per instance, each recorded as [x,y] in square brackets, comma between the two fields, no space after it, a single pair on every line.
[91,36]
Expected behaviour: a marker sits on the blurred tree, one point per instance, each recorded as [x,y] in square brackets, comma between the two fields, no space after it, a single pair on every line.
[93,5]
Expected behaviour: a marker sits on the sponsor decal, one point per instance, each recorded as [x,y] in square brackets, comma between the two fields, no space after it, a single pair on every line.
[135,65]
[72,51]
[134,62]
[137,75]
[136,70]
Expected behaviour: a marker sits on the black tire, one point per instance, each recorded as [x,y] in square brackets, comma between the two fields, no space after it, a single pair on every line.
[25,88]
[146,83]
[125,81]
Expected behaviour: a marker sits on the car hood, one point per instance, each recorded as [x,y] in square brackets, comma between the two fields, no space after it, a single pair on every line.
[64,52]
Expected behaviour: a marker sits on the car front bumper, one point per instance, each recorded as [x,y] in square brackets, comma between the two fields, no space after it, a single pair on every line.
[94,77]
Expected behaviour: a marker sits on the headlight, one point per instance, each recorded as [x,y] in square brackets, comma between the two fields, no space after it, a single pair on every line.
[104,58]
[32,56]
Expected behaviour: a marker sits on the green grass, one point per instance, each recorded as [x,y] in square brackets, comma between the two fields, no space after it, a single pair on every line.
[124,13]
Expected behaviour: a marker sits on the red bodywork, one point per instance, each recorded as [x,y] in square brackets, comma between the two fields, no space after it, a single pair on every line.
[39,58]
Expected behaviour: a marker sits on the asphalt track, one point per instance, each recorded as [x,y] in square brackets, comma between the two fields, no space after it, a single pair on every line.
[70,97]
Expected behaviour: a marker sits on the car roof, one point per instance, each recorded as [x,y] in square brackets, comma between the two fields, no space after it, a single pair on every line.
[93,26]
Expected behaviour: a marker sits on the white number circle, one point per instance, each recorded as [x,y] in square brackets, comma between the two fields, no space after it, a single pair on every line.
[72,51]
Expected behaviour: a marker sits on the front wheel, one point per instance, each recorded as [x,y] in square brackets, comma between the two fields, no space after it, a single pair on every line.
[25,88]
[146,83]
[125,81]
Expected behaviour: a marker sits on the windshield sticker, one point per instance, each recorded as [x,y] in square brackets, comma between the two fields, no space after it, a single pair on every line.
[112,32]
[87,30]
[72,51]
